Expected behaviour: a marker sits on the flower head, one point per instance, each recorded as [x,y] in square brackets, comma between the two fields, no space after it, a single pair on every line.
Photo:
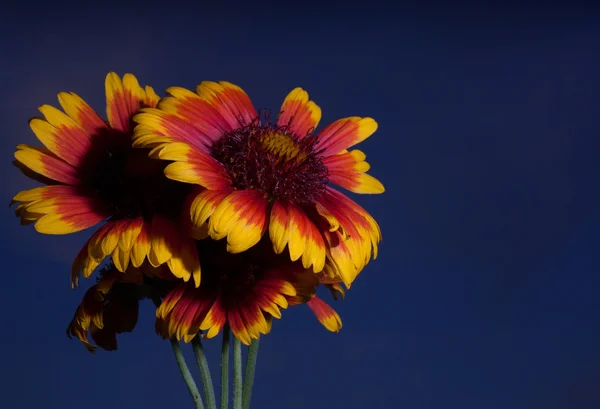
[258,177]
[245,291]
[92,174]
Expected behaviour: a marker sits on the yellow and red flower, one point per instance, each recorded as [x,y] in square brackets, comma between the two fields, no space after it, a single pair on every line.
[258,177]
[93,174]
[244,291]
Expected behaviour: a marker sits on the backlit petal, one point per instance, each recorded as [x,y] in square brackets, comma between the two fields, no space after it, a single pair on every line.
[61,135]
[325,314]
[215,319]
[230,101]
[67,212]
[242,218]
[204,205]
[300,115]
[194,167]
[124,97]
[45,163]
[347,170]
[81,112]
[344,133]
[156,126]
[290,225]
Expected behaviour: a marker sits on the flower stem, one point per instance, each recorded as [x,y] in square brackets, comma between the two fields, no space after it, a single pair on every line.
[225,369]
[209,393]
[249,374]
[237,373]
[187,376]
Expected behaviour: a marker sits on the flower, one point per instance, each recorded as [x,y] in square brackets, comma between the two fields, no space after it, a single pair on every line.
[92,173]
[258,177]
[110,307]
[245,291]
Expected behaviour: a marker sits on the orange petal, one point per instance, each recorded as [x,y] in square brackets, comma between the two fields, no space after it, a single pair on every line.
[193,166]
[290,225]
[184,260]
[130,232]
[102,243]
[81,112]
[61,135]
[168,246]
[45,163]
[198,112]
[215,319]
[204,205]
[230,101]
[124,97]
[300,115]
[365,225]
[238,326]
[156,126]
[325,314]
[347,170]
[141,247]
[66,213]
[242,218]
[344,133]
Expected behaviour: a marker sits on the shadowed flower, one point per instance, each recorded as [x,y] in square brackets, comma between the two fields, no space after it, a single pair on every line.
[245,291]
[110,307]
[93,174]
[259,177]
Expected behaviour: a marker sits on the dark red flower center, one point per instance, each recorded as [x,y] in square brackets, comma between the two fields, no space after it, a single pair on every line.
[270,159]
[130,182]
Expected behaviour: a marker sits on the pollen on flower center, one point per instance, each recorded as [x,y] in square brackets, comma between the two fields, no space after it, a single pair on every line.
[267,158]
[130,182]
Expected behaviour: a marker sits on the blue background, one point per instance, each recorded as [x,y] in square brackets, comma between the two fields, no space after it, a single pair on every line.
[485,292]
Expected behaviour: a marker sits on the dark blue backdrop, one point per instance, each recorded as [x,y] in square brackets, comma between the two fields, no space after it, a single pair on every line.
[485,293]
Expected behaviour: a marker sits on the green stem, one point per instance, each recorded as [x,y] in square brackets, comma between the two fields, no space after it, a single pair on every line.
[209,393]
[249,374]
[237,373]
[187,376]
[225,369]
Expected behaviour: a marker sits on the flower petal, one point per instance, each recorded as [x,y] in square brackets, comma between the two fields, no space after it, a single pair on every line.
[141,247]
[123,99]
[204,205]
[230,101]
[194,166]
[344,133]
[215,319]
[184,260]
[168,246]
[242,218]
[66,212]
[325,314]
[157,126]
[300,115]
[238,326]
[61,135]
[290,225]
[82,262]
[347,170]
[81,112]
[130,233]
[45,163]
[103,242]
[197,112]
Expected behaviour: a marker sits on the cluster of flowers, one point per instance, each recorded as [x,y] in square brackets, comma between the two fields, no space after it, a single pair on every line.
[217,214]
